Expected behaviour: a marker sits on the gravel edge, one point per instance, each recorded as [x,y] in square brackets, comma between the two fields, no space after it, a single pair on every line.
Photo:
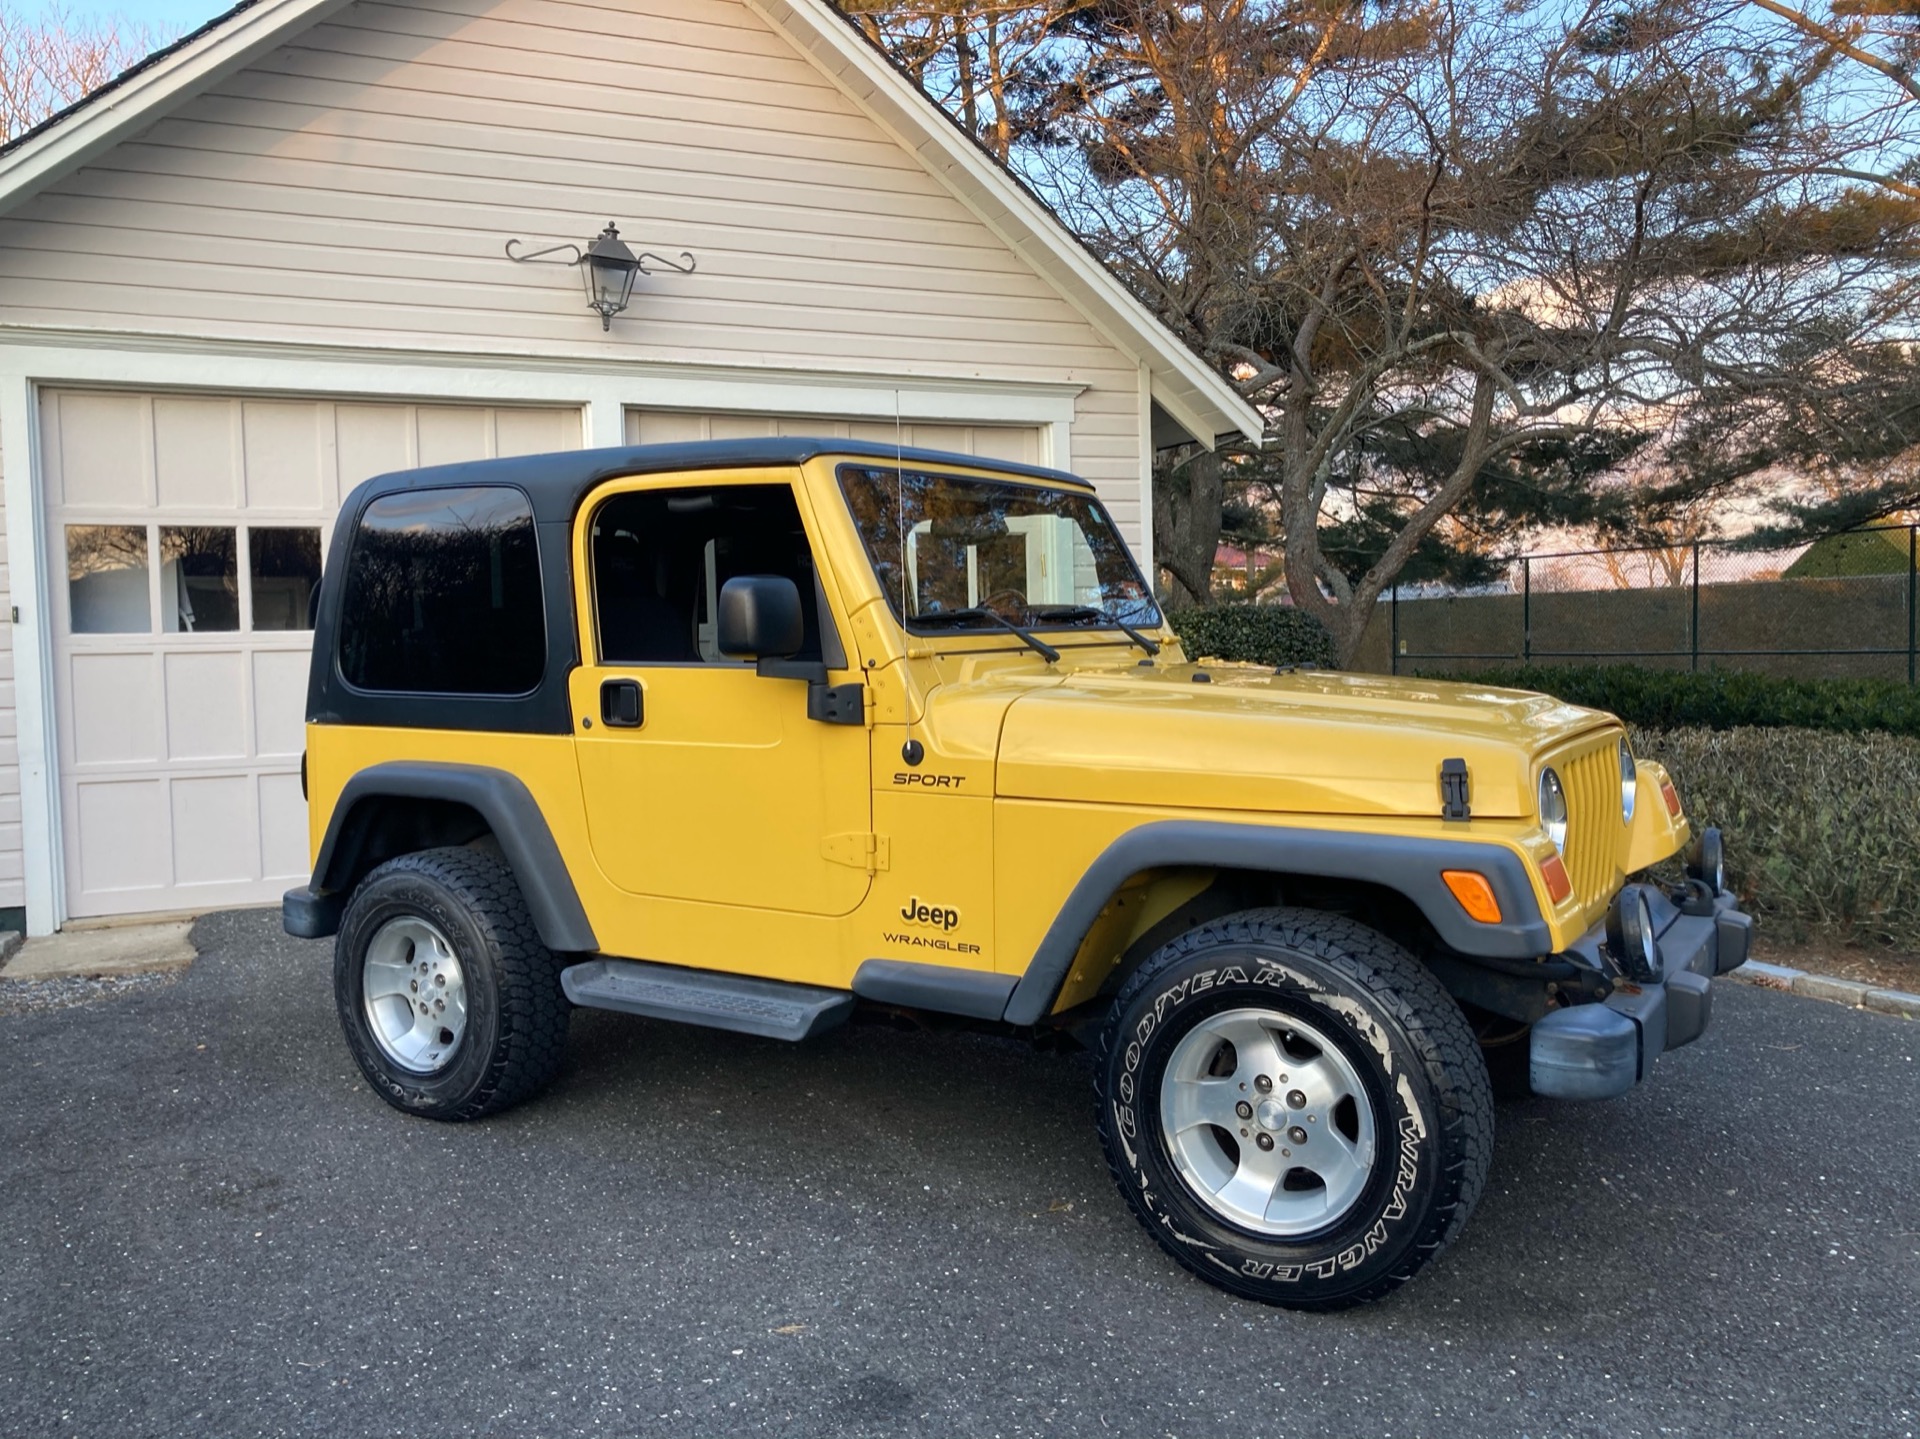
[38,996]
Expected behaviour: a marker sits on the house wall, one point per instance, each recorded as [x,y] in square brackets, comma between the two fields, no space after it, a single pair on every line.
[356,186]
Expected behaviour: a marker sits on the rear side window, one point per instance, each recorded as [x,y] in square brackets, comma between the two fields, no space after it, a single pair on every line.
[443,595]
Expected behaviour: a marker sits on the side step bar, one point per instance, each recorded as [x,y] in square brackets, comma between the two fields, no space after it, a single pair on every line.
[698,996]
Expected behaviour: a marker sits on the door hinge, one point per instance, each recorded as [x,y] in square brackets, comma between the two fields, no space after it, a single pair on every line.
[837,704]
[856,851]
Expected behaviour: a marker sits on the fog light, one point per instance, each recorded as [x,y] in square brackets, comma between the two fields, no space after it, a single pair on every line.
[1630,936]
[1707,859]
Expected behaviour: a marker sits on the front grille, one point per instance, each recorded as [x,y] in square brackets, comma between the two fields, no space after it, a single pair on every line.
[1592,781]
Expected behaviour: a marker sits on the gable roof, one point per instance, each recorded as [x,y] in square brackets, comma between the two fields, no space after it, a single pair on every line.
[1189,389]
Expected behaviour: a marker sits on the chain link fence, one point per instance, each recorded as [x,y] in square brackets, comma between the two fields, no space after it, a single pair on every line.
[1846,607]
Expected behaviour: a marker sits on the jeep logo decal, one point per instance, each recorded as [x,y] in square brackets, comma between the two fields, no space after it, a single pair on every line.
[918,913]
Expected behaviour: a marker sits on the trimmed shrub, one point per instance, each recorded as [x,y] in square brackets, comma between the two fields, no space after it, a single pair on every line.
[1822,829]
[1254,634]
[1680,699]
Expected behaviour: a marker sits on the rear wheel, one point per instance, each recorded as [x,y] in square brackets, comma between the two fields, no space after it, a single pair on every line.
[1294,1107]
[449,1001]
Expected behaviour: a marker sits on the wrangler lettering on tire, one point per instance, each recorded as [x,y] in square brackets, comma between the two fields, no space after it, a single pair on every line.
[1294,1107]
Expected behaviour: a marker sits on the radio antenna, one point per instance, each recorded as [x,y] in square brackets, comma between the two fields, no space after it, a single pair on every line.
[900,503]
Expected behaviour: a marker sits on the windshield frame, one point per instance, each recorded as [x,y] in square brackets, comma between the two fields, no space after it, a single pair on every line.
[931,626]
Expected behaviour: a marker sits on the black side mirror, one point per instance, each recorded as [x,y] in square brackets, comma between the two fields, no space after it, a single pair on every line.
[760,618]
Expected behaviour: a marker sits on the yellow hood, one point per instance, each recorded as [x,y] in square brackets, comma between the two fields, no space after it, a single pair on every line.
[1301,742]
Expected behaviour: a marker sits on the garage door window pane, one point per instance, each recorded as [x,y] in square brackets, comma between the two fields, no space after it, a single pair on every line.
[107,579]
[285,567]
[199,579]
[443,595]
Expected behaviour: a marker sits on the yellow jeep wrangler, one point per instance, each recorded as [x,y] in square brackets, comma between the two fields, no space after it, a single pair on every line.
[756,735]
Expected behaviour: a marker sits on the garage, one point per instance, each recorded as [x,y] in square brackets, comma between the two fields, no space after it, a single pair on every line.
[190,530]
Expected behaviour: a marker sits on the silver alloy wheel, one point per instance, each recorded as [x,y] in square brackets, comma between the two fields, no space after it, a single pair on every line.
[1267,1122]
[414,994]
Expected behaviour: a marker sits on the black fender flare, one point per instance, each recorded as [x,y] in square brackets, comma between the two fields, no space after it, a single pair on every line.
[1408,866]
[510,811]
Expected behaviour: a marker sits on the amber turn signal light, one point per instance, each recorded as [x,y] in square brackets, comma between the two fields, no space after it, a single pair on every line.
[1554,871]
[1670,795]
[1470,887]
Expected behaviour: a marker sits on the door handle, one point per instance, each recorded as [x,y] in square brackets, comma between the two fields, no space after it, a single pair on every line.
[620,705]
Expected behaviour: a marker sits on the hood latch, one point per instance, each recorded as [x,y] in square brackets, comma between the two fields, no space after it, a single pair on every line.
[1455,790]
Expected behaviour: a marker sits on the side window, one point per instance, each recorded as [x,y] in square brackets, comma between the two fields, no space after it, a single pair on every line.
[443,595]
[660,558]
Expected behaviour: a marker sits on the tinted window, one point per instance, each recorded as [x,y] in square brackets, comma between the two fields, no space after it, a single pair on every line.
[661,557]
[443,595]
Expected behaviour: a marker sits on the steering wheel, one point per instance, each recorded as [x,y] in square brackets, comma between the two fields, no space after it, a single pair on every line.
[1017,598]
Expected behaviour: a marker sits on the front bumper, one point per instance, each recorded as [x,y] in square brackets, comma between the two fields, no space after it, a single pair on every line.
[1599,1050]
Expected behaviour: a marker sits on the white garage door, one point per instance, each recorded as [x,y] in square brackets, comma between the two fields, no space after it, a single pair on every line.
[186,533]
[1020,443]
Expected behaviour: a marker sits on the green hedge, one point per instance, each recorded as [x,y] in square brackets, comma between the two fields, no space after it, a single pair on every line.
[1677,699]
[1822,829]
[1255,634]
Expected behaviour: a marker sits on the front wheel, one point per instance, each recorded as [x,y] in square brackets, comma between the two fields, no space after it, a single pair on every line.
[1294,1107]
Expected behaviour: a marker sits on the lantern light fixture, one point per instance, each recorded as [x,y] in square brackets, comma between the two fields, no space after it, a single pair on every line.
[607,268]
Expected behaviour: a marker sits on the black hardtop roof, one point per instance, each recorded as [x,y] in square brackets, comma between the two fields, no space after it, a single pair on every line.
[557,482]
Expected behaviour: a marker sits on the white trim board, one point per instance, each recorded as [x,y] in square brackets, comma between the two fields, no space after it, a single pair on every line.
[602,393]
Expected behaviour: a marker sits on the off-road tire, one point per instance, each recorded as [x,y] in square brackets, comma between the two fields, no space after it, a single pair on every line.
[1403,1036]
[516,1026]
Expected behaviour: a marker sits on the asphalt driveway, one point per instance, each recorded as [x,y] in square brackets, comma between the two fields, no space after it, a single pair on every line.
[209,1226]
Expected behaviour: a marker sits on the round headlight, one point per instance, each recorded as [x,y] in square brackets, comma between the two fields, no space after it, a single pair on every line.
[1629,782]
[1553,809]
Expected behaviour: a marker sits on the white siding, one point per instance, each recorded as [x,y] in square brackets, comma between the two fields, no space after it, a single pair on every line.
[355,187]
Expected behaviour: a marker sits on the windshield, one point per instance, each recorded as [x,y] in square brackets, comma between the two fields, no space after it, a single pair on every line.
[952,546]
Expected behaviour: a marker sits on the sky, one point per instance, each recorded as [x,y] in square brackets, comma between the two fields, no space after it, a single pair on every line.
[167,17]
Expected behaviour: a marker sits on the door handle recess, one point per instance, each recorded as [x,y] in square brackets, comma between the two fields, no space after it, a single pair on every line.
[620,704]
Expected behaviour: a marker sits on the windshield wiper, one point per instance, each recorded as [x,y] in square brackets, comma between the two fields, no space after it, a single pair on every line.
[981,612]
[1071,613]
